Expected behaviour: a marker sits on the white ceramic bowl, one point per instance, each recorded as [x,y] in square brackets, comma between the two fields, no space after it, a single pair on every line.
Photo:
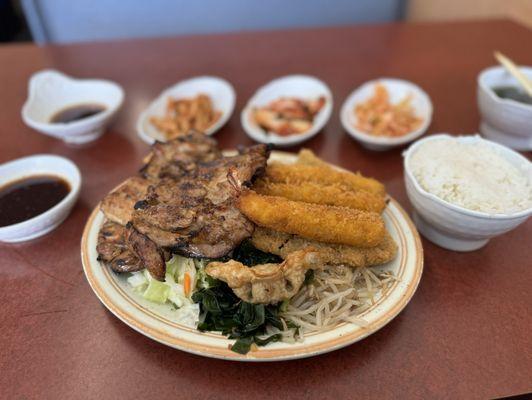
[301,86]
[50,91]
[42,164]
[219,90]
[398,90]
[454,227]
[504,120]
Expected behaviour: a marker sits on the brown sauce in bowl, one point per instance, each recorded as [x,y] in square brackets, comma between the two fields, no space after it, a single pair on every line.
[76,113]
[28,197]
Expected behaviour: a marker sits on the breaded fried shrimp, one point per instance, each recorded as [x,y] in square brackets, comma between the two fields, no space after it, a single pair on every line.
[307,157]
[319,222]
[324,175]
[332,195]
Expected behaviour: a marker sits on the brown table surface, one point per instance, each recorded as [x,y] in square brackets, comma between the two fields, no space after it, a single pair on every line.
[466,332]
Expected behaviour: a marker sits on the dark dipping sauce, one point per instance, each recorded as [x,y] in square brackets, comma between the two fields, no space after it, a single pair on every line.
[75,113]
[513,93]
[28,197]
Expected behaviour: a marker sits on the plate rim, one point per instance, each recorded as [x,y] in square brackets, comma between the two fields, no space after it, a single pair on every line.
[225,354]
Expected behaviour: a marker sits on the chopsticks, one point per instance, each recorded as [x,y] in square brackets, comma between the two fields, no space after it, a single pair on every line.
[514,70]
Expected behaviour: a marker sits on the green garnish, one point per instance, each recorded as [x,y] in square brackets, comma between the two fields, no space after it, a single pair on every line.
[221,310]
[248,255]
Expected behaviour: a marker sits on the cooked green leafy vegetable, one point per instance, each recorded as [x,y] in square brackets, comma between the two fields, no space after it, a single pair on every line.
[221,310]
[248,255]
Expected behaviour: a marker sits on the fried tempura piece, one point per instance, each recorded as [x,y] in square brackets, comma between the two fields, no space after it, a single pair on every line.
[333,195]
[283,244]
[319,222]
[307,157]
[266,283]
[325,175]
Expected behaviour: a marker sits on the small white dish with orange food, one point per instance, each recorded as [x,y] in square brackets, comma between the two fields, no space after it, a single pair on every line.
[202,104]
[386,113]
[288,110]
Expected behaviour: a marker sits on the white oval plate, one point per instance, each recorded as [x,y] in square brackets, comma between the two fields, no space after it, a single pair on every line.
[398,89]
[156,321]
[219,90]
[301,86]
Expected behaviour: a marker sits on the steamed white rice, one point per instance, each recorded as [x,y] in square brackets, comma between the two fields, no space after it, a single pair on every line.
[473,176]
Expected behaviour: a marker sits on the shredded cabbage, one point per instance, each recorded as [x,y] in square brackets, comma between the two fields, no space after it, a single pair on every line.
[172,290]
[138,281]
[157,291]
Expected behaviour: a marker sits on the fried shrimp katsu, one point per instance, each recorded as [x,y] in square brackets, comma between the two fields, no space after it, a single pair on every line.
[266,283]
[319,222]
[283,244]
[332,195]
[307,157]
[323,175]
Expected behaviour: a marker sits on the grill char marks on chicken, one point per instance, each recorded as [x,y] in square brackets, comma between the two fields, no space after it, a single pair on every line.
[147,251]
[180,156]
[124,249]
[118,205]
[183,202]
[113,250]
[196,215]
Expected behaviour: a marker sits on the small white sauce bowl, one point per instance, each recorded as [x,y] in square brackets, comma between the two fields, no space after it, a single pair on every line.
[301,86]
[398,90]
[504,120]
[454,227]
[43,164]
[219,90]
[51,91]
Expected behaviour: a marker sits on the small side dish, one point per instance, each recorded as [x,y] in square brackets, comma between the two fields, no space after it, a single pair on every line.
[258,252]
[186,114]
[36,195]
[74,110]
[288,110]
[380,117]
[202,104]
[385,113]
[466,190]
[505,111]
[288,115]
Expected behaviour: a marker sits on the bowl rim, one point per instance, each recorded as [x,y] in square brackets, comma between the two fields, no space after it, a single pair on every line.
[462,210]
[58,129]
[290,140]
[166,92]
[75,187]
[491,94]
[384,140]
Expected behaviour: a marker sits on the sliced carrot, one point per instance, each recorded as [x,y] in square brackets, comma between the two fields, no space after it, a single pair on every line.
[187,283]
